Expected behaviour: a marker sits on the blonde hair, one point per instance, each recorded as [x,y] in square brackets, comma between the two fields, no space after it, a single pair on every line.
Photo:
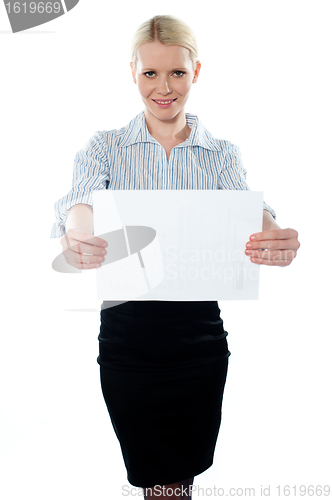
[168,30]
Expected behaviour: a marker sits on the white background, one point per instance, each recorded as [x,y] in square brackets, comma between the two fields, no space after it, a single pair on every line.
[264,85]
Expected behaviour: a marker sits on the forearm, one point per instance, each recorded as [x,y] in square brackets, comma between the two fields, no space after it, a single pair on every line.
[80,216]
[269,222]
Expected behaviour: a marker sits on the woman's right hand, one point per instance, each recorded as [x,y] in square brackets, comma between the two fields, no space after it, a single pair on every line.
[76,242]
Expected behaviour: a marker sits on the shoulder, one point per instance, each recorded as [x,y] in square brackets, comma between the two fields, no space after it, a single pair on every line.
[227,147]
[122,136]
[207,140]
[103,141]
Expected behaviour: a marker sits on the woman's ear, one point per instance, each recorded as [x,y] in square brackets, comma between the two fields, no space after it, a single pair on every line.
[197,70]
[133,72]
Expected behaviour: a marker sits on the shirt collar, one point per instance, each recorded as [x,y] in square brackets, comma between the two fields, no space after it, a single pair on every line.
[137,131]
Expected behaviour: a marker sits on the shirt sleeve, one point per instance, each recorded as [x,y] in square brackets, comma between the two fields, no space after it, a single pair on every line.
[91,172]
[233,175]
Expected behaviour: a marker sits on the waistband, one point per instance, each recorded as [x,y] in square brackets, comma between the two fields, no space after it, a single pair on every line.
[155,308]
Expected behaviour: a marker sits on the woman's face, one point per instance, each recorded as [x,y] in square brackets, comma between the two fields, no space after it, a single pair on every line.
[164,73]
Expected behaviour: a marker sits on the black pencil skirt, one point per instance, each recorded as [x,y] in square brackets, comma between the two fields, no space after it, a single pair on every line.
[163,367]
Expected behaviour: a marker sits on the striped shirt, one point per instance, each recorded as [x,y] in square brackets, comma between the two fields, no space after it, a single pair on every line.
[130,158]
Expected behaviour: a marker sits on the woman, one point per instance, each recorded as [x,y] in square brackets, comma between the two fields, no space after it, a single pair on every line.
[163,364]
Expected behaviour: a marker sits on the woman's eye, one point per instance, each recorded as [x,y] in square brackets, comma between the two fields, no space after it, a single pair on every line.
[149,74]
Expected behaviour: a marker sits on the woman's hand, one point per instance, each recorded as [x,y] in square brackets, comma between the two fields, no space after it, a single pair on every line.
[76,244]
[276,247]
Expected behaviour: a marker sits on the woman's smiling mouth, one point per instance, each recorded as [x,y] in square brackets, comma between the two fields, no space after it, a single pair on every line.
[163,103]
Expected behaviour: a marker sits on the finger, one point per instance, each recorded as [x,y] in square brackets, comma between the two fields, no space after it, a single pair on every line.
[267,262]
[82,265]
[78,235]
[70,241]
[79,257]
[82,247]
[281,263]
[274,244]
[273,255]
[275,234]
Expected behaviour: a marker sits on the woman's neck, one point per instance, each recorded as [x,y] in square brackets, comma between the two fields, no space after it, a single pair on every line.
[168,130]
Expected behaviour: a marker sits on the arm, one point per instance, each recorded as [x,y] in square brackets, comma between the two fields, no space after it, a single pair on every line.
[269,222]
[80,216]
[91,172]
[273,246]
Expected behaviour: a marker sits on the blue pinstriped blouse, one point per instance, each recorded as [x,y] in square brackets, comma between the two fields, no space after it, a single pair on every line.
[130,158]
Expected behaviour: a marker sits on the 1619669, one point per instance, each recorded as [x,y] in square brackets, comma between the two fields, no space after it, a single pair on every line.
[302,490]
[33,7]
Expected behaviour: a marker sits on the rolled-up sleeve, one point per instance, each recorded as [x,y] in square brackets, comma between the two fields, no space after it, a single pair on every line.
[233,175]
[91,172]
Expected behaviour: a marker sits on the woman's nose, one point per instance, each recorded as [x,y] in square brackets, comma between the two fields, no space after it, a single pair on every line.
[164,87]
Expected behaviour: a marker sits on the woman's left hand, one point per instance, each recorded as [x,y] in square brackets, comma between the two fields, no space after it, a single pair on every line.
[276,247]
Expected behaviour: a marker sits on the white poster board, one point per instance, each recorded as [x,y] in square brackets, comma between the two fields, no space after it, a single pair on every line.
[177,245]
